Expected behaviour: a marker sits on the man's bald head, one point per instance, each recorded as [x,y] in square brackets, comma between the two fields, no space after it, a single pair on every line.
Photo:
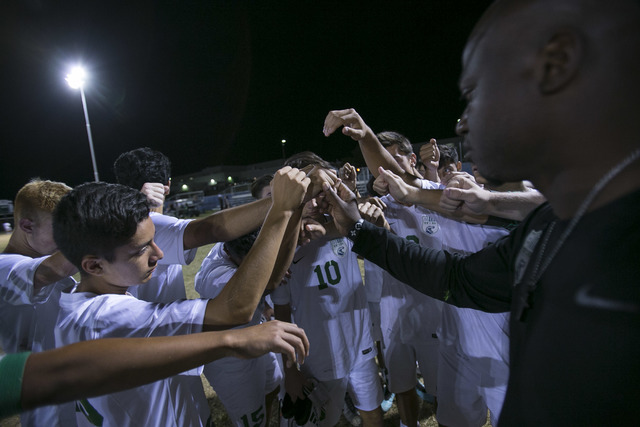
[545,79]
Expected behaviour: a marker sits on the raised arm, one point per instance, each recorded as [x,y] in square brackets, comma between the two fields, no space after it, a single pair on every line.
[52,270]
[238,300]
[464,195]
[227,224]
[374,153]
[429,199]
[93,368]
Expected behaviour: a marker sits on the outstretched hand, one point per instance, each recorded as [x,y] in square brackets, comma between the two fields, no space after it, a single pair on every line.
[310,229]
[353,125]
[273,336]
[341,205]
[430,155]
[318,175]
[289,188]
[371,212]
[464,195]
[399,189]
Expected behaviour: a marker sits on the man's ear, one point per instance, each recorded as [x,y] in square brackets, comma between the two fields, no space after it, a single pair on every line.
[413,159]
[459,166]
[559,61]
[26,225]
[92,265]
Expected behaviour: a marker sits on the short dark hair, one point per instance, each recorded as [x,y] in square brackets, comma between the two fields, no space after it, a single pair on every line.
[141,165]
[389,138]
[95,218]
[448,155]
[306,158]
[259,184]
[241,246]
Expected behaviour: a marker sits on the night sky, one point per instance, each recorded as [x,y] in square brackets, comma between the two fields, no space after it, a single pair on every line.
[219,82]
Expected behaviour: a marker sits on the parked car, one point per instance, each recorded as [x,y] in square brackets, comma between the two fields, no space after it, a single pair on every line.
[6,215]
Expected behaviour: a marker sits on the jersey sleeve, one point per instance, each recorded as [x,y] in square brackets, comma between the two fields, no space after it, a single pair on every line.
[17,273]
[169,237]
[215,272]
[425,184]
[11,373]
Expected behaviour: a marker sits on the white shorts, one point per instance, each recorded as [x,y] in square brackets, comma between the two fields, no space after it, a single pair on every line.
[401,359]
[242,385]
[363,384]
[467,387]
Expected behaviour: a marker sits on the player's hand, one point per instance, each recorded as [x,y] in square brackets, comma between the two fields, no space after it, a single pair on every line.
[377,201]
[464,195]
[318,175]
[373,214]
[342,206]
[348,175]
[310,229]
[353,125]
[400,190]
[381,186]
[274,336]
[155,193]
[289,188]
[430,155]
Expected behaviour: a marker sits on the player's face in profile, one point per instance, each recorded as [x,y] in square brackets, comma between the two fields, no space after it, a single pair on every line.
[134,262]
[406,161]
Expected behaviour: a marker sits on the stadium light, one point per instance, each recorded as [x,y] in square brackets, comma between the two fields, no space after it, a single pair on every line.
[76,79]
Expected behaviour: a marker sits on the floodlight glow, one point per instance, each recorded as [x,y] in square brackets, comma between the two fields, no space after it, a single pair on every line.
[76,77]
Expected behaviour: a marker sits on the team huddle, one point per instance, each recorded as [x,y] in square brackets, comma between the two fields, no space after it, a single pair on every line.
[477,292]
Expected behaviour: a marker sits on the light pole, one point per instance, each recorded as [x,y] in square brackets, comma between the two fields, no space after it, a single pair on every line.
[283,142]
[75,79]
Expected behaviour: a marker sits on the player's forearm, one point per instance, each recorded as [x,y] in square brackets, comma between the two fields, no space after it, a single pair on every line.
[239,298]
[226,225]
[514,205]
[375,156]
[430,199]
[93,368]
[287,249]
[51,270]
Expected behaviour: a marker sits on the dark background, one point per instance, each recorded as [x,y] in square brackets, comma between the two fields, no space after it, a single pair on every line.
[219,82]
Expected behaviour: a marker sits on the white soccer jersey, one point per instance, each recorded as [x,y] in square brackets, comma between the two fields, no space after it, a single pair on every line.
[240,384]
[167,283]
[409,316]
[27,323]
[176,401]
[329,302]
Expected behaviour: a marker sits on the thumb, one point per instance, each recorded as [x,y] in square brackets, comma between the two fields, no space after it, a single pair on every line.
[355,134]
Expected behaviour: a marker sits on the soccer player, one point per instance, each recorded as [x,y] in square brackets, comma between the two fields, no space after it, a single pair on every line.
[105,230]
[32,275]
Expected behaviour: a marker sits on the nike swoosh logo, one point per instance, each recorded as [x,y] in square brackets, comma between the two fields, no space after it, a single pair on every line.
[584,298]
[295,261]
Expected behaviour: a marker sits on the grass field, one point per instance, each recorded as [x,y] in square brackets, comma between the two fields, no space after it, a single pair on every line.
[391,418]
